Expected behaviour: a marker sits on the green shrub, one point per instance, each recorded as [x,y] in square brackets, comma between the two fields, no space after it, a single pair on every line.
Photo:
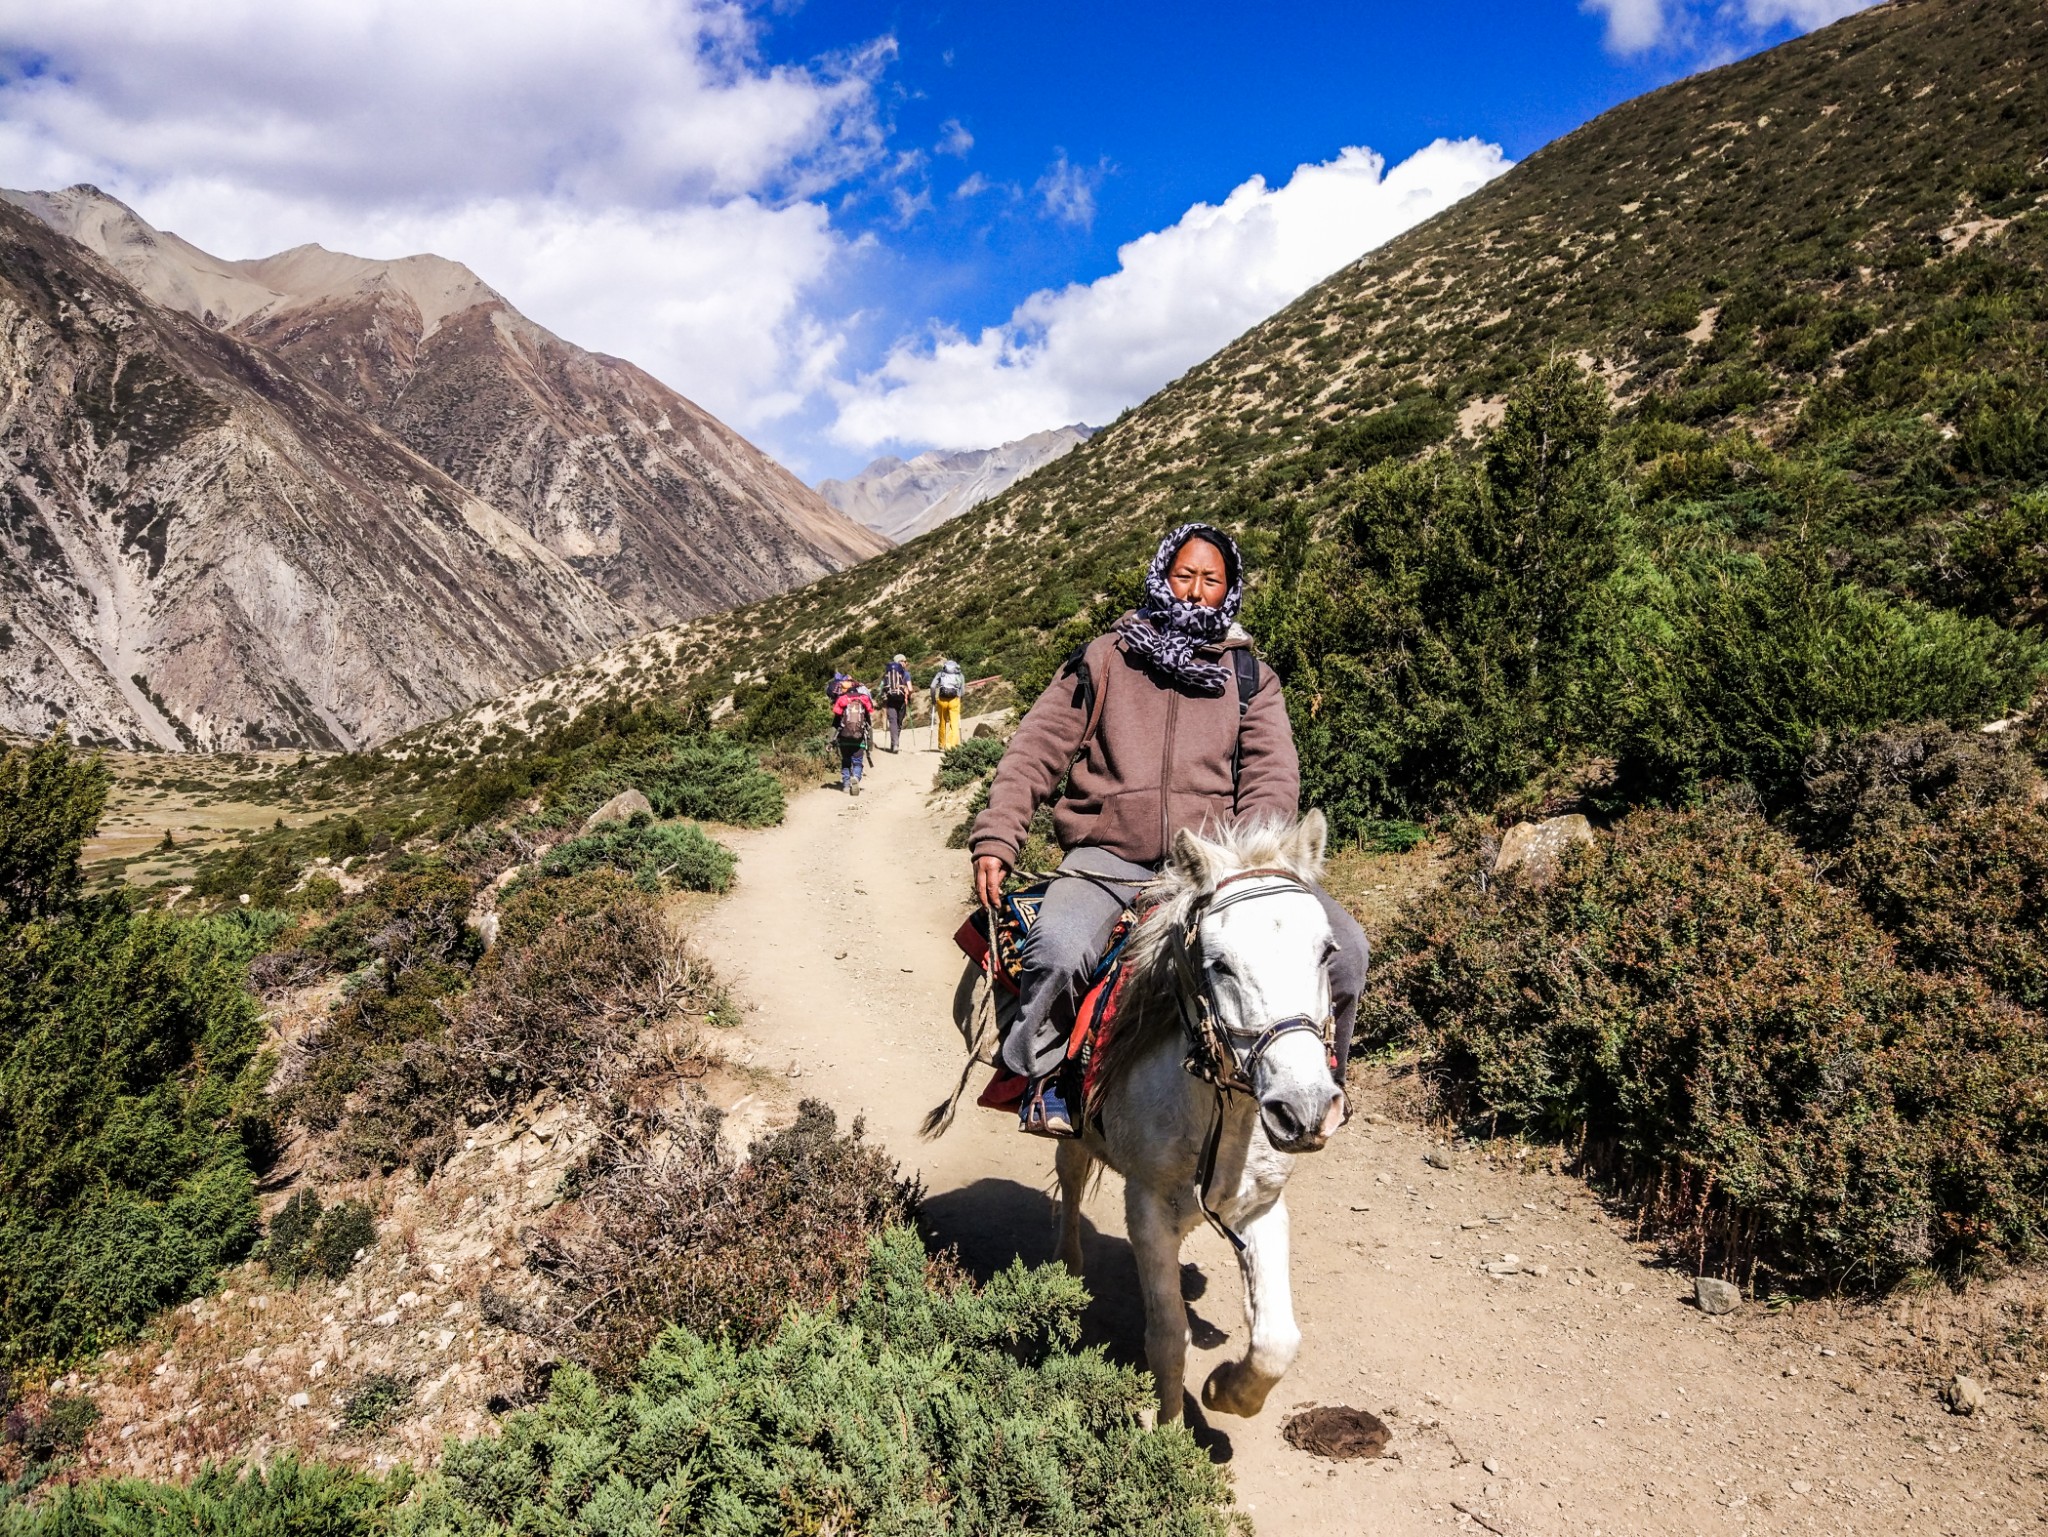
[709,777]
[130,1090]
[307,1239]
[531,907]
[790,705]
[663,855]
[1735,669]
[380,1399]
[1943,837]
[50,801]
[288,1496]
[968,761]
[57,1428]
[928,1406]
[409,916]
[717,1245]
[395,1070]
[921,1404]
[1732,1040]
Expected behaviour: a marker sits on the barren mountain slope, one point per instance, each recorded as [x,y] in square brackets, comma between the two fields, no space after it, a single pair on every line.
[656,501]
[1724,247]
[203,550]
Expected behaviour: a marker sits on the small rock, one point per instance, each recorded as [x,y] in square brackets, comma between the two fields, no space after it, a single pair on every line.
[1538,1271]
[1471,1222]
[1538,847]
[1436,1158]
[1801,1486]
[1491,1466]
[1965,1395]
[622,808]
[386,1320]
[1571,1278]
[1715,1296]
[408,1299]
[300,1401]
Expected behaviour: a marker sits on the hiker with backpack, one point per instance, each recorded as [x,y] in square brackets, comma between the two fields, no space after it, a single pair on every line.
[853,723]
[949,687]
[896,696]
[1168,721]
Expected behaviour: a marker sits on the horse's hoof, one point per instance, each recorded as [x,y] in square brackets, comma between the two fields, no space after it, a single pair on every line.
[1230,1390]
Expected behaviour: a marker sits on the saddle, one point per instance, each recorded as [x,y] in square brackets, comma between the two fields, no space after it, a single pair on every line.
[1094,1020]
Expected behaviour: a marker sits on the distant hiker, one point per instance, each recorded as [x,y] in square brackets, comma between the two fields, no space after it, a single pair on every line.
[896,696]
[840,683]
[1168,721]
[853,716]
[949,687]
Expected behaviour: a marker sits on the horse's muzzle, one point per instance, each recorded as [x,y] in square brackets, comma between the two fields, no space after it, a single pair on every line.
[1298,1123]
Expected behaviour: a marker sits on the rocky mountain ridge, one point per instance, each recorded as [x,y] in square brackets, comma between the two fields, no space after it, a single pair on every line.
[313,500]
[904,498]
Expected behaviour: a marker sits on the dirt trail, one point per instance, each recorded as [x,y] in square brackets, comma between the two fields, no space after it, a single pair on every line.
[1590,1399]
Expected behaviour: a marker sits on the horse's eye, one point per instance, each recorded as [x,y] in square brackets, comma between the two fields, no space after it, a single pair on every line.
[1222,968]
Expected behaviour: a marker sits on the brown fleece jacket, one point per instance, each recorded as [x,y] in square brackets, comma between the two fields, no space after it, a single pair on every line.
[1159,761]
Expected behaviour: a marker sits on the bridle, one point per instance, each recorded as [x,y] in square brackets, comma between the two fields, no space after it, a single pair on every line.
[1211,1054]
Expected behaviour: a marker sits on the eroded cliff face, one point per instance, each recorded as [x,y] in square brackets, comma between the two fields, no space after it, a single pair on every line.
[201,549]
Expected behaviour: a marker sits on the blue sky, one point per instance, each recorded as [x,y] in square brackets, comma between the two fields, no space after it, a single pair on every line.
[845,226]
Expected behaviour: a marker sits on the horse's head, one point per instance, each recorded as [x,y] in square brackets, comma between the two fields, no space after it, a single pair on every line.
[1261,950]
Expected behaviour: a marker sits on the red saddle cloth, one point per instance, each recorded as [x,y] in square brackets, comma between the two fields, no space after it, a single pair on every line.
[1094,1025]
[1093,1021]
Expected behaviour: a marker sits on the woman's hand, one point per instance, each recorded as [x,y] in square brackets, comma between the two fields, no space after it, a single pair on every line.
[988,879]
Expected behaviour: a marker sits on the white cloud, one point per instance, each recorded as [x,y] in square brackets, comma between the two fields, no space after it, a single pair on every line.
[1632,25]
[1069,192]
[1637,26]
[628,172]
[1084,352]
[973,186]
[954,139]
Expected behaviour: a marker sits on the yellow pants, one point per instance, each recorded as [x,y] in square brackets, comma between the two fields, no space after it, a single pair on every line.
[949,723]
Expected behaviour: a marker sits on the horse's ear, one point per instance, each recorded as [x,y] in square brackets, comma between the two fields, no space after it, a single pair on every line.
[1194,859]
[1311,839]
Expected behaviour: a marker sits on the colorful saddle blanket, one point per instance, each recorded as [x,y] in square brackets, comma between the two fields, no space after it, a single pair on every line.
[1094,1021]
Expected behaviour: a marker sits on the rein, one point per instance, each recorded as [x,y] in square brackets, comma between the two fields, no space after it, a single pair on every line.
[1212,1057]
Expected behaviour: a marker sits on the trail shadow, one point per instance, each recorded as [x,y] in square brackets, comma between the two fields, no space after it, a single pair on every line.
[994,1221]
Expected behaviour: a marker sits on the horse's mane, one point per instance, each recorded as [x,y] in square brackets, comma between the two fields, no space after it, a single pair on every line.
[1146,1011]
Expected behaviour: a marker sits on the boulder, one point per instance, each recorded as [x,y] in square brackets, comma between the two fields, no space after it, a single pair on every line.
[983,731]
[1965,1395]
[1714,1296]
[628,804]
[1535,848]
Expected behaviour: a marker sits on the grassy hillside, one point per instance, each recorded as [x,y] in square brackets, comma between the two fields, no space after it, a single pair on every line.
[1812,282]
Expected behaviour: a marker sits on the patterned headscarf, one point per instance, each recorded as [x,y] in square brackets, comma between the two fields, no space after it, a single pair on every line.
[1167,631]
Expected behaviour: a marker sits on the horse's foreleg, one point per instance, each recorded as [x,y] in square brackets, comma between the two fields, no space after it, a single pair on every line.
[1240,1387]
[1156,1233]
[1074,1163]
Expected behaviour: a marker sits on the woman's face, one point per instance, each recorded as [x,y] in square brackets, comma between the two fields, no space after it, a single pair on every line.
[1198,574]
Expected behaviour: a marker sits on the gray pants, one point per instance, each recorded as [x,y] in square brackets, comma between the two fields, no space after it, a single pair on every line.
[1073,927]
[894,714]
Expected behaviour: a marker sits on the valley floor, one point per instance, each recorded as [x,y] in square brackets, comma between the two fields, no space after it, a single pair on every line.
[1591,1399]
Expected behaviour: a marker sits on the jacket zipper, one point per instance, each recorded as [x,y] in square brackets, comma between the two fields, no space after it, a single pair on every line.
[1166,762]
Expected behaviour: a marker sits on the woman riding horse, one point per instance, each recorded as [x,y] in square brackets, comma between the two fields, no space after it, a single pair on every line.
[1187,733]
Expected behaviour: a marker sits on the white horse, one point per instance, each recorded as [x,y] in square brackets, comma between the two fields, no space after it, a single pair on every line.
[1229,973]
